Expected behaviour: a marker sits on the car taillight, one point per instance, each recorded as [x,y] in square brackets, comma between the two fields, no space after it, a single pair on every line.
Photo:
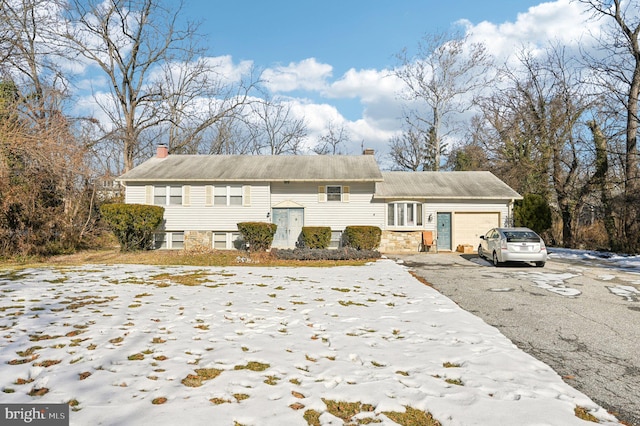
[503,244]
[542,246]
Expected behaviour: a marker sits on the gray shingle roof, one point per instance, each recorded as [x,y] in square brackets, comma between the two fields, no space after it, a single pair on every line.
[443,185]
[257,168]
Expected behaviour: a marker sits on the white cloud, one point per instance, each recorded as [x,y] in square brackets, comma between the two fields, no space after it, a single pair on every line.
[368,85]
[561,21]
[227,71]
[307,74]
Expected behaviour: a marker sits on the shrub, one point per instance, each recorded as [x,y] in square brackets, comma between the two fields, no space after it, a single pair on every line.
[257,235]
[133,224]
[362,237]
[534,212]
[316,237]
[347,253]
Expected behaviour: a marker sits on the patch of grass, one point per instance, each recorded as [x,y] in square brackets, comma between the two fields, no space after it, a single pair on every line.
[583,413]
[136,357]
[29,351]
[240,396]
[253,366]
[412,417]
[158,340]
[38,391]
[451,364]
[39,337]
[272,380]
[159,400]
[219,401]
[8,390]
[350,303]
[4,308]
[194,278]
[202,374]
[295,382]
[312,417]
[343,290]
[84,375]
[456,382]
[116,340]
[22,360]
[346,410]
[47,363]
[81,301]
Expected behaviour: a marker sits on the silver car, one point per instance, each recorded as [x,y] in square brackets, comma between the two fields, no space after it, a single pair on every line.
[512,245]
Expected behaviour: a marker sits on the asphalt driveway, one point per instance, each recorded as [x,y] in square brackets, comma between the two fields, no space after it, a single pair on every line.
[582,319]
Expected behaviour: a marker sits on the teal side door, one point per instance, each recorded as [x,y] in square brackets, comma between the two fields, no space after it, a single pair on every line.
[289,221]
[444,231]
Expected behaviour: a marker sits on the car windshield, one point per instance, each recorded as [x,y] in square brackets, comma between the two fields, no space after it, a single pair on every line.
[521,237]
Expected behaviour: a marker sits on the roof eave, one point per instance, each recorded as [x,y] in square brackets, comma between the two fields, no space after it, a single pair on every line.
[445,197]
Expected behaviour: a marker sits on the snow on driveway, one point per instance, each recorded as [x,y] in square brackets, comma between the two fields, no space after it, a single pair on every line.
[132,345]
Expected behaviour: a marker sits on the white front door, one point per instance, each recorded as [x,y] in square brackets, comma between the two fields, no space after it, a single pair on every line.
[290,222]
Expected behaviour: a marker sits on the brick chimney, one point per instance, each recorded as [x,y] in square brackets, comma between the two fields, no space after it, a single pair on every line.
[368,151]
[162,151]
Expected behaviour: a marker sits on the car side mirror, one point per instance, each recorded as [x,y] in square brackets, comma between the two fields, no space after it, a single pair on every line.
[482,237]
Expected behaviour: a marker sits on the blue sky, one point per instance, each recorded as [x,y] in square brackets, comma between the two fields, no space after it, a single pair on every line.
[344,33]
[332,61]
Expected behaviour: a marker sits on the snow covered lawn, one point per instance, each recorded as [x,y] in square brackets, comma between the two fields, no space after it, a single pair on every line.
[133,345]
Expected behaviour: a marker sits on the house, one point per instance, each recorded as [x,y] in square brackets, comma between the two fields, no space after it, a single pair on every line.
[205,196]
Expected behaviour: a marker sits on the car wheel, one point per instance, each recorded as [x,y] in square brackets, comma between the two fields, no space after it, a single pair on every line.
[540,264]
[496,262]
[480,253]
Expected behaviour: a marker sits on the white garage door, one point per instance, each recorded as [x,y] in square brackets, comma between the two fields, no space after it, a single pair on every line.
[467,227]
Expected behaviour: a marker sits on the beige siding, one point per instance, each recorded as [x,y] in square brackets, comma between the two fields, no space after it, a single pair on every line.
[359,210]
[485,212]
[201,217]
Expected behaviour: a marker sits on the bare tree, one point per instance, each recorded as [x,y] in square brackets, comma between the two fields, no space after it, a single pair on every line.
[157,76]
[274,128]
[618,70]
[30,55]
[43,165]
[197,97]
[413,149]
[441,78]
[332,141]
[534,130]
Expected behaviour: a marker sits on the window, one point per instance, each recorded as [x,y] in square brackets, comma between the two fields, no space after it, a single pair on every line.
[227,240]
[235,195]
[228,195]
[334,193]
[220,240]
[168,240]
[160,240]
[175,195]
[167,195]
[220,196]
[160,195]
[404,214]
[177,240]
